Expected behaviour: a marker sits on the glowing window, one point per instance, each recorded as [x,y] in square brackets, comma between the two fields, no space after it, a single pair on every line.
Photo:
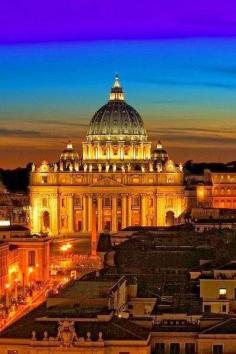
[169,179]
[44,179]
[222,292]
[135,180]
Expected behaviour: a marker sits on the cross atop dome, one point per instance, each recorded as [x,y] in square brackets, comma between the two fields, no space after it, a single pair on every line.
[117,93]
[117,81]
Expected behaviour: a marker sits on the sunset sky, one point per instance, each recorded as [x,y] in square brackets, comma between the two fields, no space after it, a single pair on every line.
[176,61]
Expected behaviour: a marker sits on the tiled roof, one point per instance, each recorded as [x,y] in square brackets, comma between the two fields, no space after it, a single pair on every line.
[226,327]
[115,329]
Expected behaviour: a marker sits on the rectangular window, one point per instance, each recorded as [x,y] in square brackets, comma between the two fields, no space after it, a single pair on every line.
[45,202]
[31,259]
[222,292]
[136,202]
[169,179]
[12,352]
[223,308]
[63,203]
[174,348]
[207,308]
[217,349]
[159,348]
[135,180]
[119,202]
[107,202]
[44,179]
[189,348]
[78,202]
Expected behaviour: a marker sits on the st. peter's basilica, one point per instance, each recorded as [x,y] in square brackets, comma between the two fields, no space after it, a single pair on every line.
[129,181]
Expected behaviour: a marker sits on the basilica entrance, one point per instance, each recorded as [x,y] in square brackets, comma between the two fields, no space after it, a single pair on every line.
[170,218]
[107,224]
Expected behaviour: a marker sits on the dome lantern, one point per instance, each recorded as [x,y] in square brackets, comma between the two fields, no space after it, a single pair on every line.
[116,120]
[159,154]
[117,93]
[69,154]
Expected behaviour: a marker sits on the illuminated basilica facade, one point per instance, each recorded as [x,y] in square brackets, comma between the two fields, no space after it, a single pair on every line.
[119,174]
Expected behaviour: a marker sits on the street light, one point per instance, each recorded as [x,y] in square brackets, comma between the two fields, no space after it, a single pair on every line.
[66,247]
[7,287]
[16,288]
[30,271]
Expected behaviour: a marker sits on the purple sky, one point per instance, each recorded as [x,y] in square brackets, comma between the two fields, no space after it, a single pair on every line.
[184,87]
[51,20]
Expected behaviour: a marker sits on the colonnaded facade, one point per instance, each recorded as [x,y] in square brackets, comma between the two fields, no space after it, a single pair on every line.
[119,173]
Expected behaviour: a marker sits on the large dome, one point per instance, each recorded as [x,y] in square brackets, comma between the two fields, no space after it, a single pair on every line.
[116,120]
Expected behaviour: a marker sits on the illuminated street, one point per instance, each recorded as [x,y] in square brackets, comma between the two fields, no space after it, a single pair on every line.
[68,255]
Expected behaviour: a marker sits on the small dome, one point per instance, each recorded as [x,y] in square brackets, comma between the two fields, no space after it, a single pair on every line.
[116,120]
[69,153]
[159,154]
[170,166]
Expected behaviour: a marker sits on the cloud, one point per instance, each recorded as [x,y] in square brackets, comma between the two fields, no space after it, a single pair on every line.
[185,131]
[194,83]
[59,122]
[19,133]
[191,137]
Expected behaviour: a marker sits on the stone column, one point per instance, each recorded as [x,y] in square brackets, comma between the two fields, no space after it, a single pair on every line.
[99,150]
[100,213]
[70,213]
[108,150]
[143,210]
[161,212]
[114,214]
[90,212]
[94,230]
[134,152]
[53,212]
[122,152]
[36,217]
[129,211]
[124,211]
[154,209]
[85,214]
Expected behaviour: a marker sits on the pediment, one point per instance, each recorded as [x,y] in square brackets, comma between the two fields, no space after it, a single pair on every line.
[106,182]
